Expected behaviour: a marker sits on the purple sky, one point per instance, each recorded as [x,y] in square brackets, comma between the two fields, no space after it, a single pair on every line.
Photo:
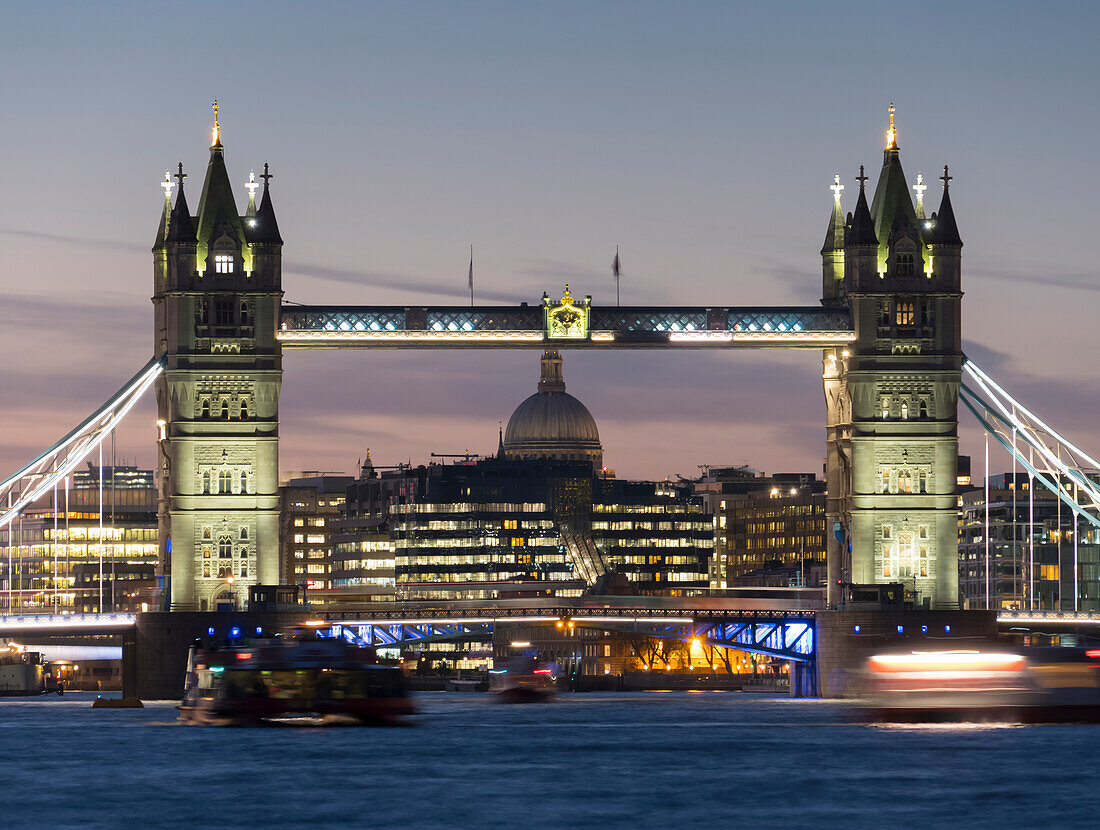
[700,137]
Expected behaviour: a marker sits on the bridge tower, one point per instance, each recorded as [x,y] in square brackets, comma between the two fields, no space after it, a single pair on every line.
[892,396]
[217,292]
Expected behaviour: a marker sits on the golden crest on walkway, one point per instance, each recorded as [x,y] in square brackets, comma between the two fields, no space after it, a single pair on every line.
[567,320]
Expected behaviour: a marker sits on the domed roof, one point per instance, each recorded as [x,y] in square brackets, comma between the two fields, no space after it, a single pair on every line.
[552,423]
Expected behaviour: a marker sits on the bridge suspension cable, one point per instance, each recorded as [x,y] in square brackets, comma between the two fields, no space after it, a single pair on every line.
[35,479]
[1044,454]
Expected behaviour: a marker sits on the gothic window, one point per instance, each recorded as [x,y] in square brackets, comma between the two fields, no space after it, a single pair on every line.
[244,410]
[223,264]
[886,489]
[905,265]
[923,532]
[206,571]
[204,408]
[225,546]
[244,315]
[923,408]
[206,551]
[206,482]
[905,314]
[924,561]
[225,409]
[202,603]
[223,313]
[225,481]
[224,571]
[886,531]
[904,411]
[206,533]
[244,482]
[244,533]
[885,409]
[905,482]
[244,570]
[922,482]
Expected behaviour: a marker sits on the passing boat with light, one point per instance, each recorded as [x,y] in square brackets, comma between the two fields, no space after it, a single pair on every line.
[293,675]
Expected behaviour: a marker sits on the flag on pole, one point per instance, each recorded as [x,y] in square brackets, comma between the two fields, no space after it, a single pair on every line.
[615,269]
[471,275]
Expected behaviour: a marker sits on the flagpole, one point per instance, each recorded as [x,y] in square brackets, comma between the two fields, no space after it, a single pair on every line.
[616,267]
[471,276]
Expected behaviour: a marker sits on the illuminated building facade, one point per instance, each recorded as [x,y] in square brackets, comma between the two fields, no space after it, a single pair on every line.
[308,506]
[768,530]
[70,569]
[1033,549]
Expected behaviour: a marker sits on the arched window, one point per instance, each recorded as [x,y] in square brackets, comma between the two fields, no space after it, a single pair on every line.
[244,482]
[244,410]
[904,313]
[905,265]
[885,409]
[924,561]
[206,571]
[225,546]
[886,486]
[202,603]
[225,481]
[923,408]
[245,320]
[204,408]
[904,411]
[223,263]
[905,482]
[225,409]
[205,482]
[244,569]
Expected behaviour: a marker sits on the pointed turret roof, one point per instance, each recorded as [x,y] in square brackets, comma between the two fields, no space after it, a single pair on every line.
[181,227]
[834,235]
[946,231]
[862,230]
[264,228]
[162,228]
[216,204]
[891,202]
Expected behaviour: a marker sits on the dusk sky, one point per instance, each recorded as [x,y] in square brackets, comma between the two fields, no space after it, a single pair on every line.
[699,137]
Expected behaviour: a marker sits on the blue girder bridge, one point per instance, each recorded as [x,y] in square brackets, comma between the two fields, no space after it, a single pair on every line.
[786,634]
[511,327]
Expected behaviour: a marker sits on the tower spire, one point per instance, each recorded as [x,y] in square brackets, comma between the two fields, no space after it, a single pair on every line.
[251,186]
[862,228]
[891,134]
[215,133]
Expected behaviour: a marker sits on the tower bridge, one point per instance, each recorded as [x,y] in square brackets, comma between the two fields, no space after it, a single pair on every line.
[888,330]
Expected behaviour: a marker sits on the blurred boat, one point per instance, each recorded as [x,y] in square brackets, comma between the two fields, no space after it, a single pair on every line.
[296,674]
[522,679]
[1029,685]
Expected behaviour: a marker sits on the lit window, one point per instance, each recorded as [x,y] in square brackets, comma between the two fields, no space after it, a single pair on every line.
[225,545]
[223,264]
[904,314]
[905,482]
[904,411]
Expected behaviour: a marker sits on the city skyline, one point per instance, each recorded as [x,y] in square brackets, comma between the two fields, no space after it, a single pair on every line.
[590,143]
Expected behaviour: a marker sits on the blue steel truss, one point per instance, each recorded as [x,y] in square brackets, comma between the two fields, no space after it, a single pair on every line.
[787,640]
[523,325]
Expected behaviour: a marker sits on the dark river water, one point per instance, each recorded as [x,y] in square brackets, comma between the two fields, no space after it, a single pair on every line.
[585,761]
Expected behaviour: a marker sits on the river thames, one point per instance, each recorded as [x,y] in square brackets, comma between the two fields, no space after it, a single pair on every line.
[583,761]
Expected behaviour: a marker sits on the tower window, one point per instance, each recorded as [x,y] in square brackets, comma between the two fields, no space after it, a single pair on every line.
[223,264]
[905,265]
[225,481]
[904,411]
[223,312]
[905,314]
[905,482]
[225,546]
[244,410]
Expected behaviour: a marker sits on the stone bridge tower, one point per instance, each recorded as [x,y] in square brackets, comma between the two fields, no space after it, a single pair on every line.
[892,396]
[216,298]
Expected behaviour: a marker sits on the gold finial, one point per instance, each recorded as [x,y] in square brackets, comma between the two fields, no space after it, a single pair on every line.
[215,133]
[167,185]
[891,134]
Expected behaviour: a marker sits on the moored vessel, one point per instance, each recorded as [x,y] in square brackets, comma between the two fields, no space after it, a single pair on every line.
[24,674]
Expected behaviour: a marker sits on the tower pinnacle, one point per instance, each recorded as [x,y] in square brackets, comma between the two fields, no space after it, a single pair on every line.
[167,185]
[215,133]
[837,187]
[251,186]
[920,187]
[891,134]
